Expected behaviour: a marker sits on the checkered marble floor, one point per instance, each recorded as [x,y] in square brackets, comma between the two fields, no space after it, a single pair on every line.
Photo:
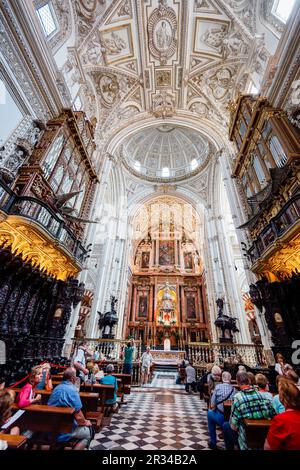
[157,417]
[165,380]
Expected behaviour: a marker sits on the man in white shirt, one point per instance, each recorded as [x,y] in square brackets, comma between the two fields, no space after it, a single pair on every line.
[147,361]
[190,374]
[80,361]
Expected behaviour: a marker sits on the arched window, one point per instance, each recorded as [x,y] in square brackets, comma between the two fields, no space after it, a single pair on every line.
[165,173]
[194,164]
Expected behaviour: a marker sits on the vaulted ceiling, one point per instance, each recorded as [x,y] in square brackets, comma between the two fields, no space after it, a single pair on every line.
[160,58]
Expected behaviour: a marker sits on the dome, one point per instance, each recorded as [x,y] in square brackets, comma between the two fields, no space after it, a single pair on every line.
[165,151]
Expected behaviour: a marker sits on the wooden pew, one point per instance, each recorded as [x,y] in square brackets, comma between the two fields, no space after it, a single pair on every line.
[124,383]
[256,432]
[57,377]
[14,442]
[89,405]
[227,409]
[46,419]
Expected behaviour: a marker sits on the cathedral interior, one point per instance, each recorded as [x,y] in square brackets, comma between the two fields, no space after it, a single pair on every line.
[149,183]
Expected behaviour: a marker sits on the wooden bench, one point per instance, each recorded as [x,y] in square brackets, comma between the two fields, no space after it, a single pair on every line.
[89,400]
[124,384]
[14,442]
[57,377]
[46,419]
[106,392]
[227,409]
[256,432]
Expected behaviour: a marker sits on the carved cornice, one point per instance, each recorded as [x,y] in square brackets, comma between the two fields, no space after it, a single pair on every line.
[36,247]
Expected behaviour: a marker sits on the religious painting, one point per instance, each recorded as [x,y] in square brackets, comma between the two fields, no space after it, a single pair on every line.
[145,259]
[143,306]
[188,260]
[166,253]
[191,307]
[117,43]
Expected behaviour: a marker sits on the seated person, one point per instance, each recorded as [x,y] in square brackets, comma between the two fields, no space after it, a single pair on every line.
[261,382]
[284,433]
[109,379]
[286,368]
[66,395]
[7,398]
[90,377]
[213,378]
[215,415]
[190,374]
[46,382]
[203,382]
[277,405]
[98,374]
[293,376]
[2,383]
[27,396]
[248,403]
[252,378]
[280,362]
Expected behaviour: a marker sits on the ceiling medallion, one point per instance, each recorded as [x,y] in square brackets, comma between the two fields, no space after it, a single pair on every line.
[162,28]
[108,88]
[163,105]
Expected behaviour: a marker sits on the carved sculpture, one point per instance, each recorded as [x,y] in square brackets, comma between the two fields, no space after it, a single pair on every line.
[108,320]
[225,323]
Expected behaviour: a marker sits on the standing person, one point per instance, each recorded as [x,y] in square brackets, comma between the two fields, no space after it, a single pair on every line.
[190,374]
[96,355]
[147,361]
[27,396]
[128,357]
[80,361]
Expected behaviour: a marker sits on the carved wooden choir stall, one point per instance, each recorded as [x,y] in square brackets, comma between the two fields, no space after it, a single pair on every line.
[267,170]
[42,221]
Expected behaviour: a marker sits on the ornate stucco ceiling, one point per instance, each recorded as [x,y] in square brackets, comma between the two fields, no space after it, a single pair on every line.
[160,58]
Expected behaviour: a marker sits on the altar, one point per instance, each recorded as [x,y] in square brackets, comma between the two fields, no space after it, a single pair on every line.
[167,357]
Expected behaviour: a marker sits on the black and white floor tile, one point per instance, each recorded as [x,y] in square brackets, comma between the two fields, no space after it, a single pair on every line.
[158,416]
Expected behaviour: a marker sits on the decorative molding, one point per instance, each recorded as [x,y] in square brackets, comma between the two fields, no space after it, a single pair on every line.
[162,32]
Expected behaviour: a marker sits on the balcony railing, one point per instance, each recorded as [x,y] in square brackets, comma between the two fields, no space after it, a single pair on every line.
[201,353]
[278,226]
[40,213]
